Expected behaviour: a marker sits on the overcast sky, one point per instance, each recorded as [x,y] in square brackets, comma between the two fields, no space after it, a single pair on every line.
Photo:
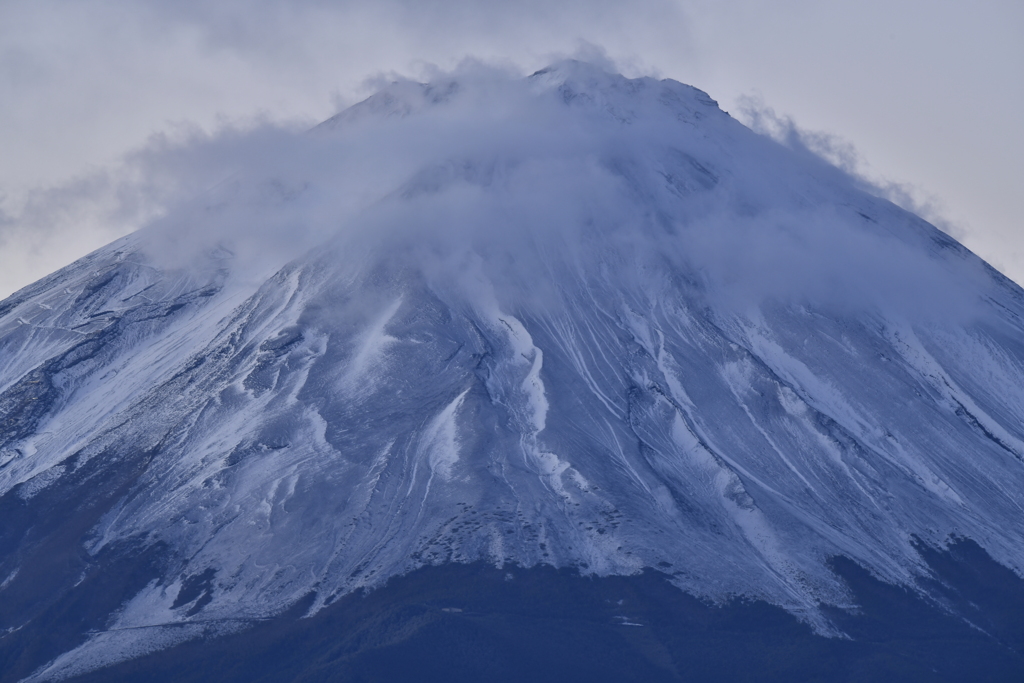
[923,94]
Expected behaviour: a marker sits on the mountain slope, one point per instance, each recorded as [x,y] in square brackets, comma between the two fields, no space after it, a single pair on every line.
[574,319]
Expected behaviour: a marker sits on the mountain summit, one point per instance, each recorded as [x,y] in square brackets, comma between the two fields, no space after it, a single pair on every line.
[573,320]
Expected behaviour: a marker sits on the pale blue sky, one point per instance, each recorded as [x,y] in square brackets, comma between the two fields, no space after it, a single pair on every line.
[928,92]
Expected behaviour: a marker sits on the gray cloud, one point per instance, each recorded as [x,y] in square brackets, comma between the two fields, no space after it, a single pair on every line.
[86,83]
[478,169]
[928,94]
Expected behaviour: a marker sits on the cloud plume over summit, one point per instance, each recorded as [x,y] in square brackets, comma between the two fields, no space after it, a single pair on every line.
[552,170]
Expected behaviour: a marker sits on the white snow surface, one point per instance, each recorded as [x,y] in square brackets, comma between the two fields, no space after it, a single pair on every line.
[572,319]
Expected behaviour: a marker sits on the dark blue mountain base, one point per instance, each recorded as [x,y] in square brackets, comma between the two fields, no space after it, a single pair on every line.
[478,623]
[60,592]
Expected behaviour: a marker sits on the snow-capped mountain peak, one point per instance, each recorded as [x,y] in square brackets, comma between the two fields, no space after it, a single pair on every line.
[571,319]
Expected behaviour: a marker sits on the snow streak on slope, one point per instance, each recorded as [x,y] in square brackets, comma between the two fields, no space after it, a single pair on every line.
[573,319]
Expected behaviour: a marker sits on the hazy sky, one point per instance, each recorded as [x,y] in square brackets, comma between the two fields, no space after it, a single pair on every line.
[926,94]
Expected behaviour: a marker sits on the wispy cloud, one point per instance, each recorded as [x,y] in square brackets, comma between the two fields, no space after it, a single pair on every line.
[86,84]
[480,164]
[844,156]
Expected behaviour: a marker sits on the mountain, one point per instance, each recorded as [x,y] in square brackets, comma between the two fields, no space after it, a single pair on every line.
[576,350]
